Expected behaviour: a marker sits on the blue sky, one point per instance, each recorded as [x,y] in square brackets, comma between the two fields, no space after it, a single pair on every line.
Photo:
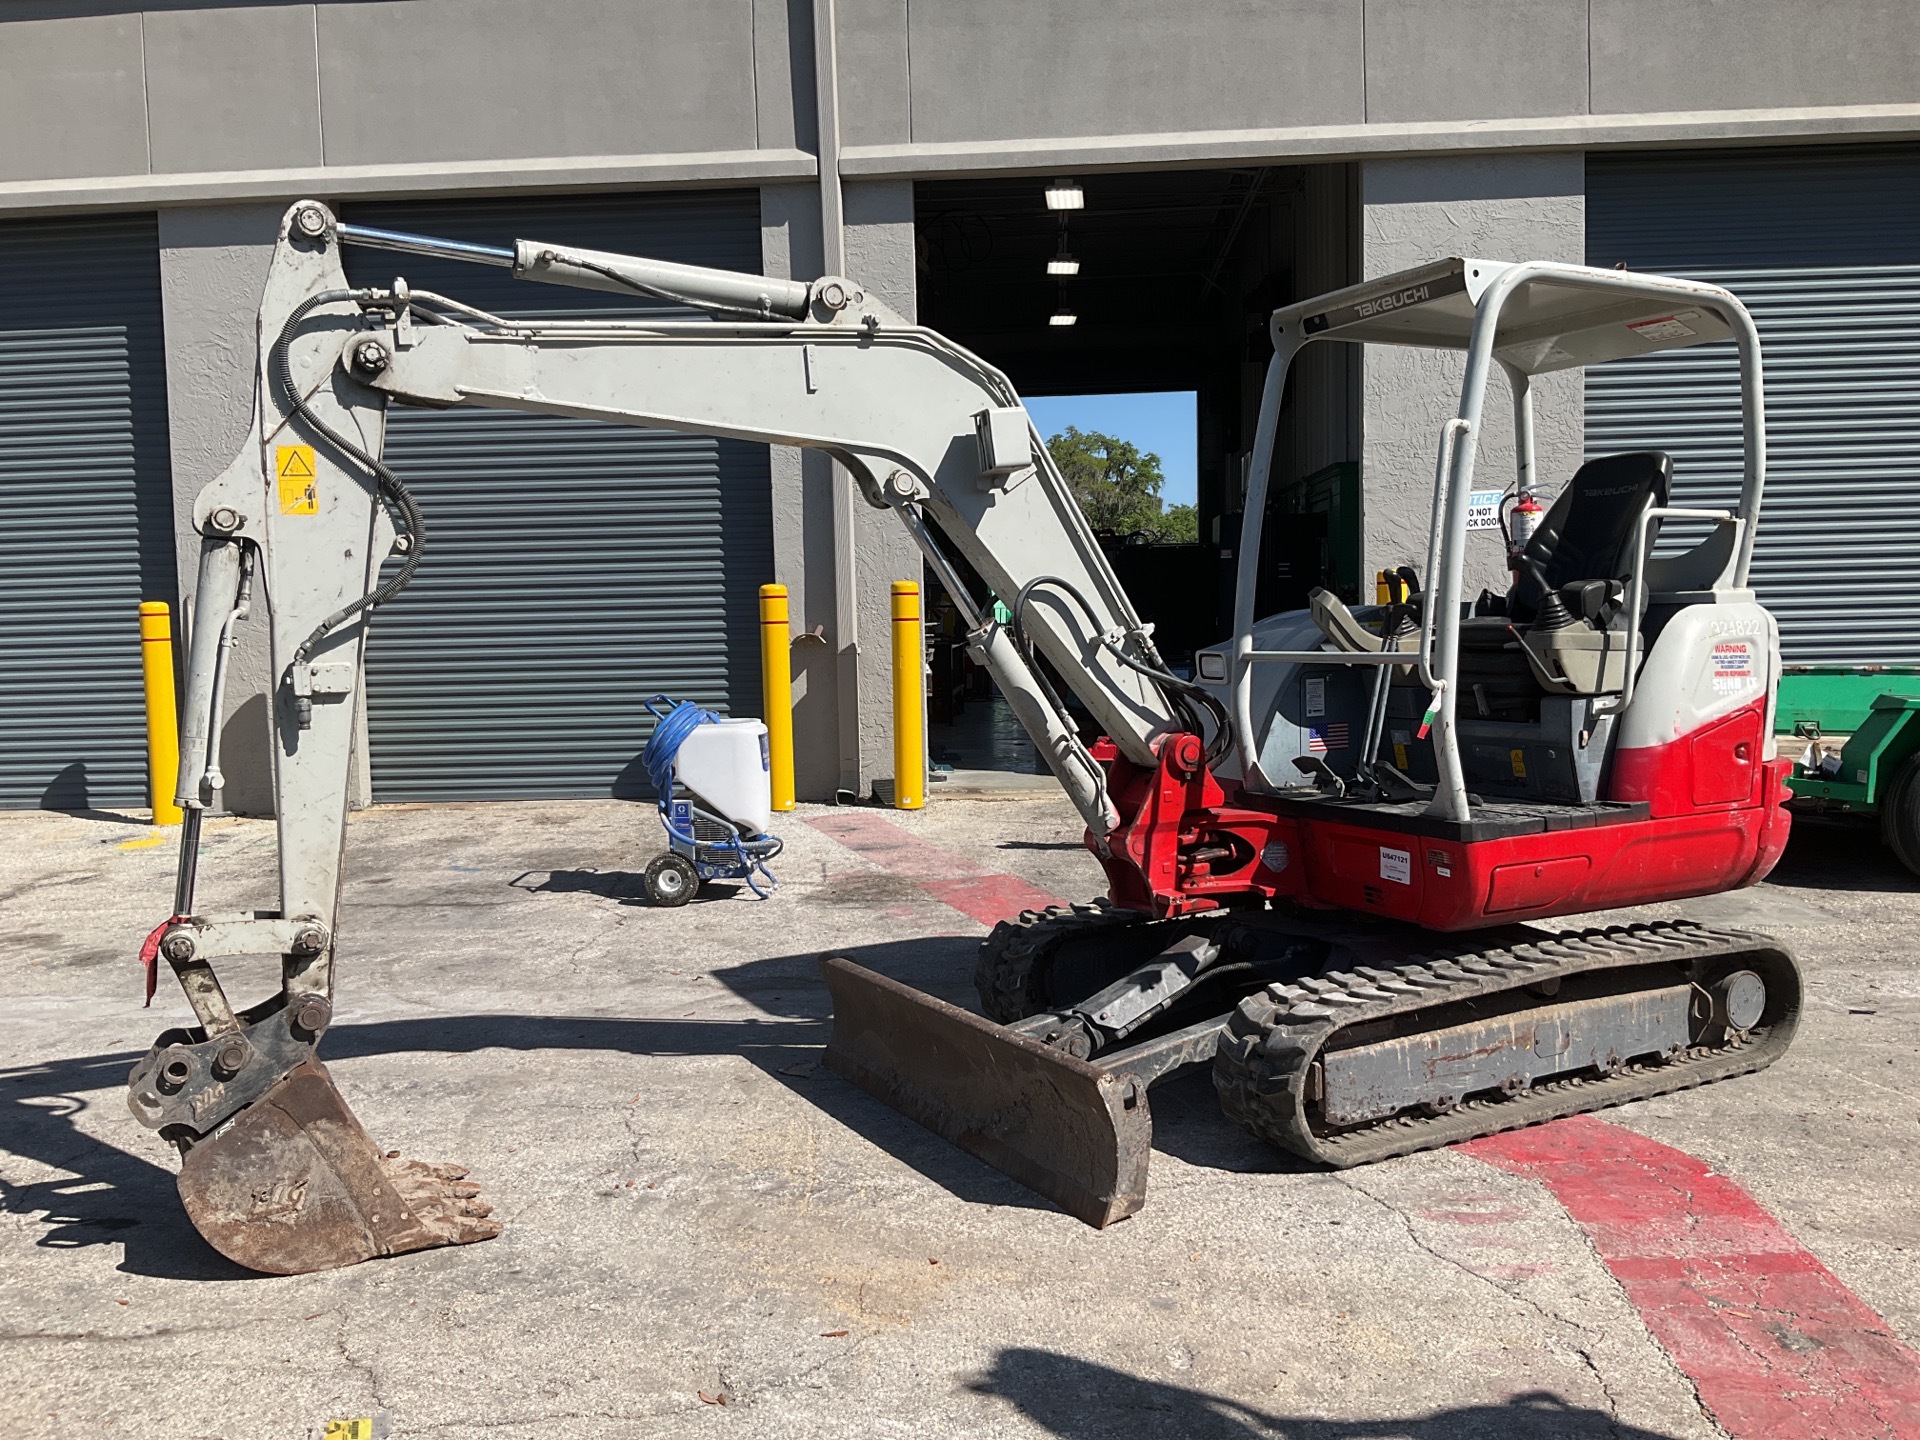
[1164,424]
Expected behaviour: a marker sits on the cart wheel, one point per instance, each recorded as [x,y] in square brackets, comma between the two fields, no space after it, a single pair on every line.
[671,880]
[1900,815]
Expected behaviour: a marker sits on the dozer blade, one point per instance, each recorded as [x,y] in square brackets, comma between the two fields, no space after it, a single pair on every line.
[294,1184]
[1079,1135]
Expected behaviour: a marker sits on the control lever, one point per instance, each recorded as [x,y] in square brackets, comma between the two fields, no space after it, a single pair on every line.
[1324,779]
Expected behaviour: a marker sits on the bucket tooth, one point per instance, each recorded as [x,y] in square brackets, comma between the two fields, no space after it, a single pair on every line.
[294,1184]
[1079,1135]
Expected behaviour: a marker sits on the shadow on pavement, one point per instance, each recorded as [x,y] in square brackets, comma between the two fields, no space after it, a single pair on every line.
[1080,1400]
[112,1196]
[1840,853]
[626,886]
[117,1197]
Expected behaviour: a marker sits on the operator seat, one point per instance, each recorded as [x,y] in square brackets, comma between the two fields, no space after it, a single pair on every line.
[1566,606]
[1587,533]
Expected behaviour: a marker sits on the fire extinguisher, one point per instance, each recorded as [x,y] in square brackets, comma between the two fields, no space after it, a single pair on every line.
[1522,521]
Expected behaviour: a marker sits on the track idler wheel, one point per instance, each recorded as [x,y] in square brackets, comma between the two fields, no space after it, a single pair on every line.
[294,1184]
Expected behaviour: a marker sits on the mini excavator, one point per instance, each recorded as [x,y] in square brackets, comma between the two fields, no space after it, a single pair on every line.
[1327,851]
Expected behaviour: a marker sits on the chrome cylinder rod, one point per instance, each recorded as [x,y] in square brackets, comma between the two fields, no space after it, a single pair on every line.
[372,239]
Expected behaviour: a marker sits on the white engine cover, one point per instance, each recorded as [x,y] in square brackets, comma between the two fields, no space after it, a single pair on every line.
[725,764]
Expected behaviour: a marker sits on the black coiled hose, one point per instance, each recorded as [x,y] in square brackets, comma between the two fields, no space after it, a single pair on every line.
[389,485]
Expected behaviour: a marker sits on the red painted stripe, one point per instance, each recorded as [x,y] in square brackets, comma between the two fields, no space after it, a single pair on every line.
[1777,1347]
[990,898]
[951,879]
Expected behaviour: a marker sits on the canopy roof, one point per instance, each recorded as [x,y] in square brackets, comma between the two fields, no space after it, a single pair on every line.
[1551,321]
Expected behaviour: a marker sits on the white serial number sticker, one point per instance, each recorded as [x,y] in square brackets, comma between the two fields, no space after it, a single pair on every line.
[1396,865]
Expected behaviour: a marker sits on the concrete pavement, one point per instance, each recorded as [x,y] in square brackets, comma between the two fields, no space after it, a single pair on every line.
[708,1233]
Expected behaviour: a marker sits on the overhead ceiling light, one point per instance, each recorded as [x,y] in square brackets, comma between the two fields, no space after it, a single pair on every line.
[1063,264]
[1065,195]
[1063,317]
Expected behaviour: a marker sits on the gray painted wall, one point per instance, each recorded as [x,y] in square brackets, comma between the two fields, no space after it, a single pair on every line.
[880,252]
[213,265]
[257,103]
[118,106]
[803,520]
[1514,207]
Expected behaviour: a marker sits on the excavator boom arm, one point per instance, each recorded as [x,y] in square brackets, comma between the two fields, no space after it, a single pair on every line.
[303,526]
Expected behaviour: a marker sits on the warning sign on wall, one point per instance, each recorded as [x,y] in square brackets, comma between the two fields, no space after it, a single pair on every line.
[293,465]
[1483,509]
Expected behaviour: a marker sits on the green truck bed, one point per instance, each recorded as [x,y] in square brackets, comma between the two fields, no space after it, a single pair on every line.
[1871,709]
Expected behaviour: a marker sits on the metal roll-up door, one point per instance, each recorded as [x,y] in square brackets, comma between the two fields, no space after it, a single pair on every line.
[86,511]
[572,568]
[1824,248]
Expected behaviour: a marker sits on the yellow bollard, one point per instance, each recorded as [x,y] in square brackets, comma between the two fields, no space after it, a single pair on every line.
[909,696]
[776,688]
[163,718]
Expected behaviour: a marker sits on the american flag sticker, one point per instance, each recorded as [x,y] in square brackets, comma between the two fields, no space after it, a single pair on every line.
[1322,738]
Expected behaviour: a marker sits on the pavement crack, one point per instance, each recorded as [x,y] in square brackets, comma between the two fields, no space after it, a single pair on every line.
[522,1424]
[1578,1342]
[365,1369]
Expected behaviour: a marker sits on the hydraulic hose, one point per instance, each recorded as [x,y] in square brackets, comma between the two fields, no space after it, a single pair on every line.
[389,485]
[1179,694]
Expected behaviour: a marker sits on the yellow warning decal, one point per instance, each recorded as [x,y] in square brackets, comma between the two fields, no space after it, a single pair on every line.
[348,1429]
[1519,758]
[293,465]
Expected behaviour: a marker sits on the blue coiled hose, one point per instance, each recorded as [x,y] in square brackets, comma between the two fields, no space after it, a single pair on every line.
[668,736]
[676,721]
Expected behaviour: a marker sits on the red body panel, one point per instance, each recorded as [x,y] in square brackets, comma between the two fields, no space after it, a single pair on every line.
[1459,885]
[1714,768]
[1717,821]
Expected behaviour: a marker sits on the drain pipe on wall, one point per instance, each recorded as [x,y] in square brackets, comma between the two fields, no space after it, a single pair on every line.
[833,261]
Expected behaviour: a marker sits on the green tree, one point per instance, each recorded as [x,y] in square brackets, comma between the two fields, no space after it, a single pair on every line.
[1117,487]
[1180,526]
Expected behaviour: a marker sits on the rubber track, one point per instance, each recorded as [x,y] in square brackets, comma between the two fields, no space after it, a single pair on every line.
[1261,1066]
[1010,974]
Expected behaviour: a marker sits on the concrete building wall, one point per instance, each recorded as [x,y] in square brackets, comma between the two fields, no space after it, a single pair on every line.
[213,266]
[115,106]
[1511,207]
[1461,122]
[880,250]
[1010,69]
[803,520]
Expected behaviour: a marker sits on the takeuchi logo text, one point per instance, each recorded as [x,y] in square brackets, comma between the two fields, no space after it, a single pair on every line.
[1413,295]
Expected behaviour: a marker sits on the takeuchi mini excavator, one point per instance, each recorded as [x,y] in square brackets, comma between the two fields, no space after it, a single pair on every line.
[1327,852]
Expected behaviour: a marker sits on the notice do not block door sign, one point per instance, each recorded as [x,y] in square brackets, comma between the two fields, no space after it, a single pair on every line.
[1483,509]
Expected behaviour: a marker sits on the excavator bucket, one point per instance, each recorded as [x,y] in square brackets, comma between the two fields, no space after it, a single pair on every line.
[294,1184]
[1078,1134]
